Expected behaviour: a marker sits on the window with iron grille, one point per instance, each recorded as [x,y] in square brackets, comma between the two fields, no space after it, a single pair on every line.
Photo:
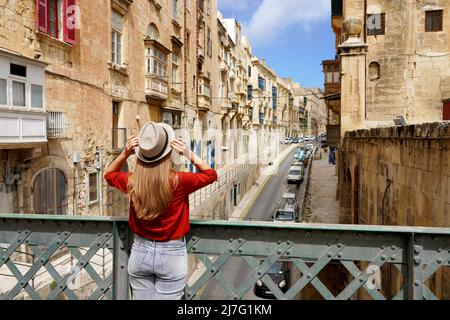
[376,24]
[434,20]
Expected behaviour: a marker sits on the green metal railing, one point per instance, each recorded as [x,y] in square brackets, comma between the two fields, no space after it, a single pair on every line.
[411,262]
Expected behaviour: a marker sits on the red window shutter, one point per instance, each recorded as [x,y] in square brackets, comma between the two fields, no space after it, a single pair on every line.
[69,22]
[446,111]
[41,15]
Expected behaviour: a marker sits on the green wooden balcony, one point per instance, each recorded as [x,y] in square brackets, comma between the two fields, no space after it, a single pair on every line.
[64,257]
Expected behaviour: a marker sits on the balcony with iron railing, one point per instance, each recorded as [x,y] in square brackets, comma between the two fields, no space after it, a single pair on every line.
[57,125]
[80,257]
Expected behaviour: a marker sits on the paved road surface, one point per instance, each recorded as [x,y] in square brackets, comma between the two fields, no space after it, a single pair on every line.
[237,270]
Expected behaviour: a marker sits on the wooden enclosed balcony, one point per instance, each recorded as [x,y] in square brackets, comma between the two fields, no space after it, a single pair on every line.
[156,87]
[332,72]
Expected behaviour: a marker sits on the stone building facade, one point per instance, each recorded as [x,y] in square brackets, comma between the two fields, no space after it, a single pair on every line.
[288,109]
[264,106]
[317,112]
[77,78]
[205,106]
[394,61]
[392,66]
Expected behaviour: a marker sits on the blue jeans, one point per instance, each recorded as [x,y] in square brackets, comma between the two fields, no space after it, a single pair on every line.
[158,270]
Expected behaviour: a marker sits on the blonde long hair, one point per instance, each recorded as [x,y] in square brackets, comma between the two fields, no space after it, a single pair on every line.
[151,187]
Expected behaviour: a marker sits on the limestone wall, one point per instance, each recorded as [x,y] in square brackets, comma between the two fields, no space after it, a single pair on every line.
[396,176]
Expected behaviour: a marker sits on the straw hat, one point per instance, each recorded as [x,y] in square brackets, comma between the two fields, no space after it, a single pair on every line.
[154,142]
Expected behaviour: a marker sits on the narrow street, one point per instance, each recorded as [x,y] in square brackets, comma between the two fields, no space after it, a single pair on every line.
[237,270]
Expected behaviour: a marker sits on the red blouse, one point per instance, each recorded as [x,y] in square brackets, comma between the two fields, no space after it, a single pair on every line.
[174,222]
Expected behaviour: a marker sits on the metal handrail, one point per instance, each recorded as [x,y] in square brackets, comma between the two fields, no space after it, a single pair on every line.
[417,252]
[200,196]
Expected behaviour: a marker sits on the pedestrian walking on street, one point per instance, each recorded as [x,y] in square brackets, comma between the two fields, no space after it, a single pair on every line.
[332,156]
[159,210]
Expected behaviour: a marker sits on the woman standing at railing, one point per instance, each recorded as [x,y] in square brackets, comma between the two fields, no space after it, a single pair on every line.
[159,210]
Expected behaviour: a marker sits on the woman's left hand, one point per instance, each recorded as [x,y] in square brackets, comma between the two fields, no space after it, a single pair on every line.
[131,144]
[180,146]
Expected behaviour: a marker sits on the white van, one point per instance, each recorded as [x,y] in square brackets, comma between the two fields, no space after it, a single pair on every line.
[295,175]
[287,209]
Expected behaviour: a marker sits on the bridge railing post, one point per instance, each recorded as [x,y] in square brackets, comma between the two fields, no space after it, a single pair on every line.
[122,244]
[415,267]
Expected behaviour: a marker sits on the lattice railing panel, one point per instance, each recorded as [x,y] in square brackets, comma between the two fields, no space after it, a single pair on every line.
[377,265]
[324,261]
[58,259]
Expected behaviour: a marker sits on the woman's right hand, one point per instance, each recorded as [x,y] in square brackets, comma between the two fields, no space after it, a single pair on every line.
[131,144]
[180,146]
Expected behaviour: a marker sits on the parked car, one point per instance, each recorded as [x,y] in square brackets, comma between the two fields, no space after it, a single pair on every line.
[286,141]
[295,175]
[299,154]
[287,209]
[279,273]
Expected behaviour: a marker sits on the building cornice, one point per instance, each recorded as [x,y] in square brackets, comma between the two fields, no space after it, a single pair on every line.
[8,54]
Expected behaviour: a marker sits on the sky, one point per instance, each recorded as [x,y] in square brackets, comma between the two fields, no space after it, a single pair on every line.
[294,36]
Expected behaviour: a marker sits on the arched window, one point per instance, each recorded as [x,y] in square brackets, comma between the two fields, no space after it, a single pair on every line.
[153,32]
[49,192]
[374,71]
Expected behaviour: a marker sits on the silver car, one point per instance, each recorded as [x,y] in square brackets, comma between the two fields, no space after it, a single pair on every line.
[295,175]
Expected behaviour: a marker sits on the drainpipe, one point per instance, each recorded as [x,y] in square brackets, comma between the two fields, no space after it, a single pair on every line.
[365,67]
[74,200]
[185,56]
[100,183]
[76,159]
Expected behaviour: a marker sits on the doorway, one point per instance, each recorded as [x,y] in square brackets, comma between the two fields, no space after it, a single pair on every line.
[49,192]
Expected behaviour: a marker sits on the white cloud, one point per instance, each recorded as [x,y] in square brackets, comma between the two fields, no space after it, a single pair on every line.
[274,17]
